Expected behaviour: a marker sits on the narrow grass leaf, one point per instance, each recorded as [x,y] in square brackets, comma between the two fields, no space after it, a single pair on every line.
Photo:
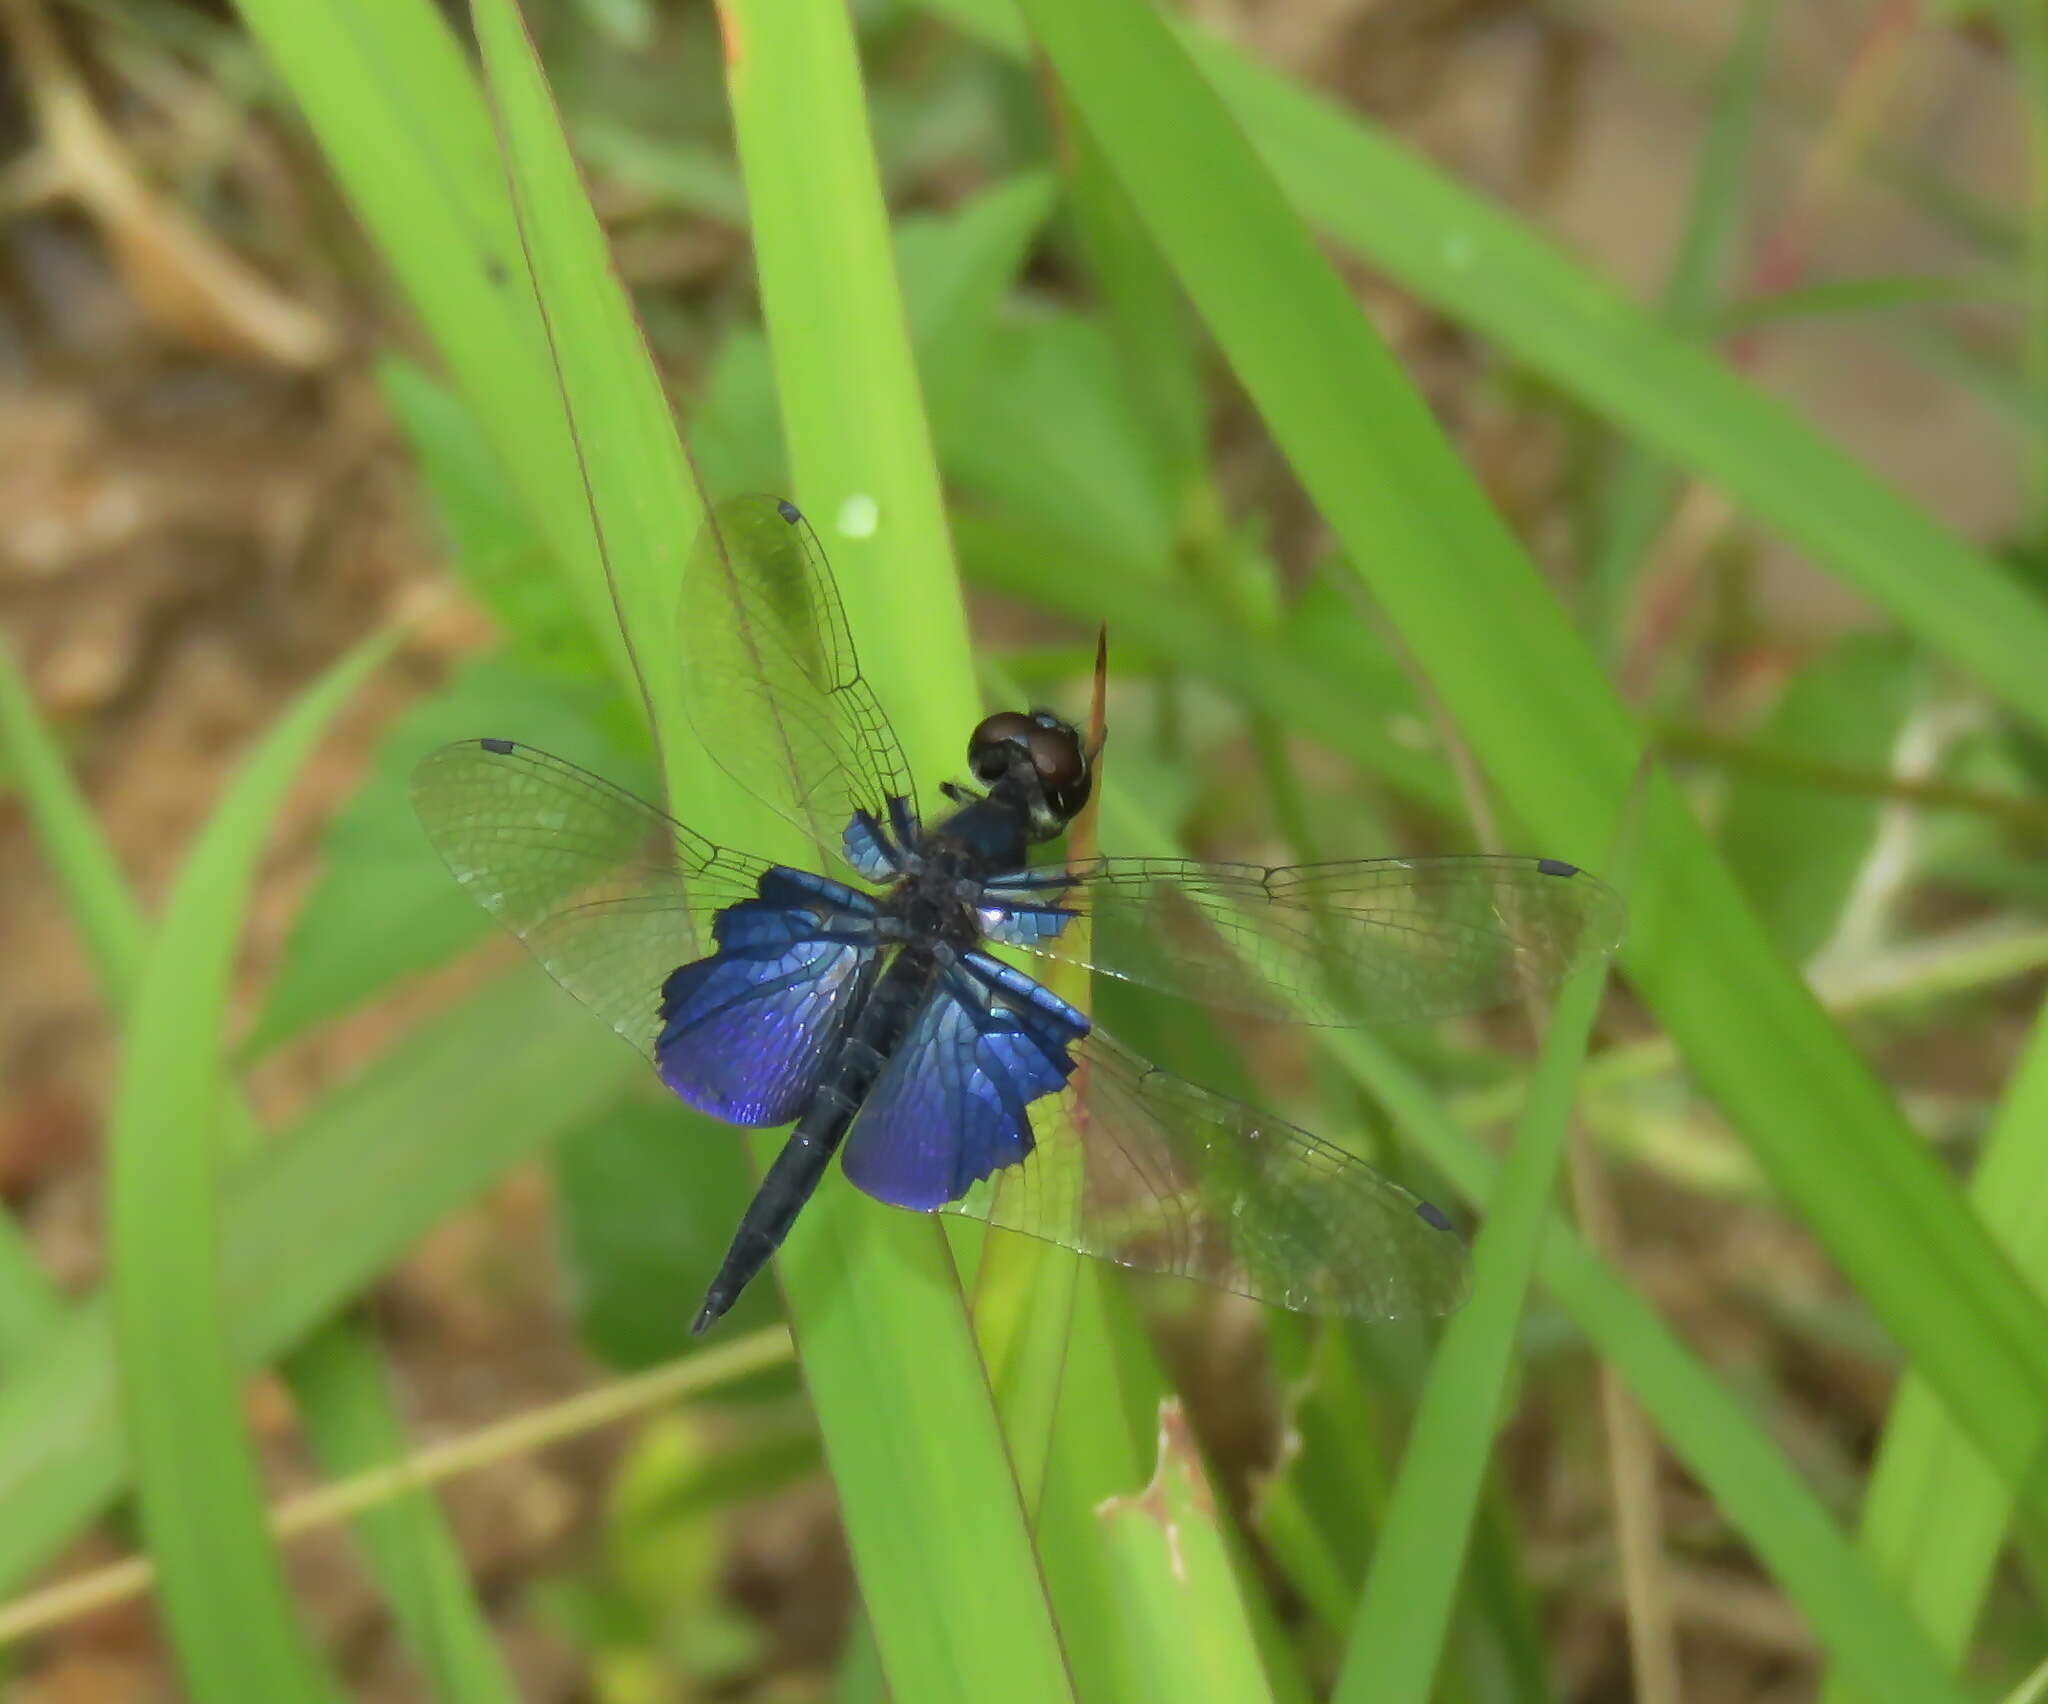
[858,1678]
[1936,1514]
[229,1613]
[1639,490]
[1331,680]
[311,1221]
[1151,334]
[392,99]
[690,176]
[1986,374]
[1835,298]
[1023,1299]
[958,271]
[643,1216]
[353,1425]
[498,549]
[109,922]
[459,1647]
[105,914]
[1488,270]
[1172,1582]
[641,506]
[1548,730]
[1851,1614]
[860,451]
[1398,1635]
[1320,1513]
[1055,436]
[948,1577]
[1797,850]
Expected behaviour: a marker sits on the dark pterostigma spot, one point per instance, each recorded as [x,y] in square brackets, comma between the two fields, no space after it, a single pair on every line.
[789,511]
[502,747]
[1431,1214]
[1556,867]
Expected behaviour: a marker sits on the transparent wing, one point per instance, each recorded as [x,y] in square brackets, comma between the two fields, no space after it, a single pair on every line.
[1376,941]
[1133,1164]
[610,894]
[771,682]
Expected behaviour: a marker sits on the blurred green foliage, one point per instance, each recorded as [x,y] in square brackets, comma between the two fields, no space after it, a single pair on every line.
[1115,346]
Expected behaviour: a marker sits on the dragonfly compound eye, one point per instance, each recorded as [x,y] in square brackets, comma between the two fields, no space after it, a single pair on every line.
[988,747]
[1062,765]
[1056,755]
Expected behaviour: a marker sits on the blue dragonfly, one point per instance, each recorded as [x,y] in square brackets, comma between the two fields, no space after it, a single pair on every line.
[865,1007]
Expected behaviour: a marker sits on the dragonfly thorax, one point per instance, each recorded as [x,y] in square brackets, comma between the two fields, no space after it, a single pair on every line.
[939,895]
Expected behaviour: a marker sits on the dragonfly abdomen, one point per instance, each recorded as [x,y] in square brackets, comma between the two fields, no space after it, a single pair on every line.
[875,1031]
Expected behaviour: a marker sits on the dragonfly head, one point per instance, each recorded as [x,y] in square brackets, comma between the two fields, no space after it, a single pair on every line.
[1036,760]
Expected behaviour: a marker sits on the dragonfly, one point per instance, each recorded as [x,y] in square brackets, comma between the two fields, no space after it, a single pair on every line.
[867,1004]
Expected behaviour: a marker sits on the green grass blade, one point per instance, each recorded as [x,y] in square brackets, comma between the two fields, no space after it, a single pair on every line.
[1397,1637]
[958,272]
[1986,375]
[30,1304]
[859,1678]
[641,507]
[98,896]
[948,1576]
[1752,1484]
[1796,850]
[1835,298]
[311,1221]
[1639,490]
[450,1631]
[1333,682]
[1157,354]
[229,1612]
[860,452]
[1548,730]
[108,920]
[1171,1582]
[1023,1293]
[1936,1515]
[1104,1446]
[392,100]
[1488,270]
[352,1423]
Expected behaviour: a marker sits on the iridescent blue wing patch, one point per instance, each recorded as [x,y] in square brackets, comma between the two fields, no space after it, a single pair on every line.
[950,1107]
[880,852]
[1015,924]
[747,1031]
[1133,1164]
